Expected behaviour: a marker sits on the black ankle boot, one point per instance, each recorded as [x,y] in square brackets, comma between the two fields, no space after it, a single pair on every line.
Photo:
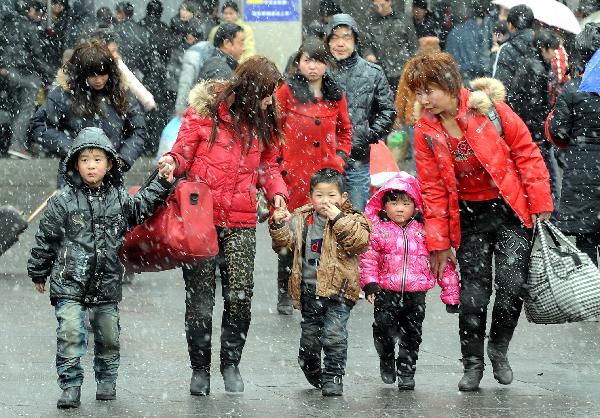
[387,369]
[406,382]
[497,350]
[70,398]
[314,377]
[232,378]
[473,373]
[200,383]
[332,386]
[106,391]
[284,268]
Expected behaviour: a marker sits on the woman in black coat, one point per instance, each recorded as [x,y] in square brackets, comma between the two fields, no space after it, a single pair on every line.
[574,126]
[90,92]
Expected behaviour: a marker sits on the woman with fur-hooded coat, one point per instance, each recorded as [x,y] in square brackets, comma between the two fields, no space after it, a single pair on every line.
[484,184]
[77,103]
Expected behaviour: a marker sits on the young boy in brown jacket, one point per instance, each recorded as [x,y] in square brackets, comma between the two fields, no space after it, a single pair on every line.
[325,237]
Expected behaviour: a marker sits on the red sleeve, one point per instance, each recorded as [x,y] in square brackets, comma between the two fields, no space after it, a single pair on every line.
[528,159]
[185,146]
[344,127]
[269,176]
[435,195]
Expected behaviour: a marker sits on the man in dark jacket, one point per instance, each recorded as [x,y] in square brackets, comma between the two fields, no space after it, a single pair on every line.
[470,44]
[77,248]
[391,40]
[133,39]
[229,47]
[370,103]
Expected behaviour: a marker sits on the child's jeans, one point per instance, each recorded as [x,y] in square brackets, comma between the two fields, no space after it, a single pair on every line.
[324,328]
[72,339]
[399,320]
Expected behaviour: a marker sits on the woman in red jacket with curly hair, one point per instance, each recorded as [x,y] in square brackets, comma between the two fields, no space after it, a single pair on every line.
[484,183]
[229,138]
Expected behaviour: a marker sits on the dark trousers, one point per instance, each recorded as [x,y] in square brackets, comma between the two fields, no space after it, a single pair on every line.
[399,320]
[237,281]
[589,243]
[323,329]
[285,259]
[490,228]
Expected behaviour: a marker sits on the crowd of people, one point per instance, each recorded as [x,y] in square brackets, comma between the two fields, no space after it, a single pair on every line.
[492,103]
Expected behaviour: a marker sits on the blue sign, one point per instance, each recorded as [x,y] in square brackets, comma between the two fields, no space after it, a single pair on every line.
[271,10]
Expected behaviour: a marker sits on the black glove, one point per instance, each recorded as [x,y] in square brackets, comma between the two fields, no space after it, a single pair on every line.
[452,309]
[371,289]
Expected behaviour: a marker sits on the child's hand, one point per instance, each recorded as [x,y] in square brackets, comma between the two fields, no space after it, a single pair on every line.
[40,287]
[280,215]
[371,298]
[166,171]
[330,210]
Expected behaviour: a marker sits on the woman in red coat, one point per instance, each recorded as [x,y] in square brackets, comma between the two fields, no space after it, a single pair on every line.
[484,183]
[234,159]
[318,134]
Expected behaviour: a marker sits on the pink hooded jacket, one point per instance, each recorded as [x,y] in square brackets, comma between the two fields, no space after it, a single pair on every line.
[397,258]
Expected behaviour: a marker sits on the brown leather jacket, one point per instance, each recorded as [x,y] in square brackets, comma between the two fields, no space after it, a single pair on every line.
[343,240]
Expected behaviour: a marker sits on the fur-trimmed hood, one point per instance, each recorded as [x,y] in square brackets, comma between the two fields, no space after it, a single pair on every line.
[485,92]
[202,97]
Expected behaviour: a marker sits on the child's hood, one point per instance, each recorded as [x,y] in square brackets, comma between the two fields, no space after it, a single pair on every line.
[401,181]
[91,138]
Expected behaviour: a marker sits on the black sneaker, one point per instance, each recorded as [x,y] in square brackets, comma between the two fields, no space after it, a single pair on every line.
[406,382]
[314,377]
[232,379]
[200,383]
[70,398]
[332,386]
[106,391]
[387,369]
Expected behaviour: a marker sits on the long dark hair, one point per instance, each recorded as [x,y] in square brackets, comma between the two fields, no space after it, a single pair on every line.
[253,81]
[92,58]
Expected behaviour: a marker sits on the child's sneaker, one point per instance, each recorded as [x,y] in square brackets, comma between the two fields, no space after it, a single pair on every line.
[332,386]
[70,398]
[314,377]
[406,382]
[387,369]
[106,391]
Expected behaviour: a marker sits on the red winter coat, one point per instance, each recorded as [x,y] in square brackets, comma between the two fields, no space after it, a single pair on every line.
[313,133]
[513,162]
[232,175]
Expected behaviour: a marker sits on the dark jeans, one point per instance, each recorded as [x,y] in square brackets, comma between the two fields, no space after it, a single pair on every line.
[72,340]
[589,243]
[323,329]
[237,281]
[490,228]
[399,320]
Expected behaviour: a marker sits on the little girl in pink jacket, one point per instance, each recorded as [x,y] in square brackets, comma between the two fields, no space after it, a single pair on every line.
[395,275]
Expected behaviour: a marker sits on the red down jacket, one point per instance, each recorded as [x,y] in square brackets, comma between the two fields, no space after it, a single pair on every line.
[231,174]
[514,163]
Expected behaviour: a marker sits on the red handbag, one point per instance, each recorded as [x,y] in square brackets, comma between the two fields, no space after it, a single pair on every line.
[180,232]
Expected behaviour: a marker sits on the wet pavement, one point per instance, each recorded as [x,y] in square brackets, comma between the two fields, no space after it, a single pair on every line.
[557,368]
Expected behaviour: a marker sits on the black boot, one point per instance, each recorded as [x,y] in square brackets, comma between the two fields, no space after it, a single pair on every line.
[406,382]
[387,368]
[314,377]
[497,350]
[332,385]
[473,373]
[106,391]
[232,378]
[284,267]
[70,398]
[200,383]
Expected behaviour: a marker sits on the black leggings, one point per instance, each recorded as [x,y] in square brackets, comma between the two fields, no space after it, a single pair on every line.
[490,228]
[589,243]
[237,281]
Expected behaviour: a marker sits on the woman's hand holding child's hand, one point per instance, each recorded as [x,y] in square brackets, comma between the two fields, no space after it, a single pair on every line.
[40,287]
[166,171]
[281,215]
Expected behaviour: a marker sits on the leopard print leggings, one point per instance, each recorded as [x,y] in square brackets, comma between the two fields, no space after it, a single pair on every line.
[238,246]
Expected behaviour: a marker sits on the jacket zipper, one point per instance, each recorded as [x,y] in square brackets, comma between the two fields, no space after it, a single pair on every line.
[404,261]
[62,273]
